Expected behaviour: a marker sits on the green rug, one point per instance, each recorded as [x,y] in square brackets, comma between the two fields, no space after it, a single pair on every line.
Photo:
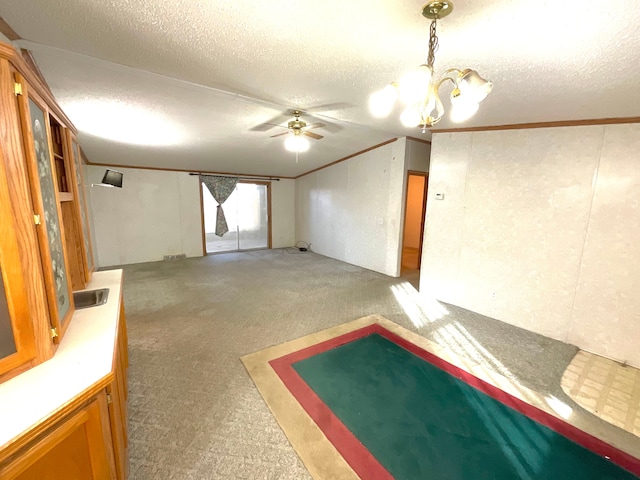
[421,422]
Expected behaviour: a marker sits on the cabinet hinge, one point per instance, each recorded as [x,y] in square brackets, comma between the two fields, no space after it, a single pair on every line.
[109,399]
[36,219]
[17,89]
[54,332]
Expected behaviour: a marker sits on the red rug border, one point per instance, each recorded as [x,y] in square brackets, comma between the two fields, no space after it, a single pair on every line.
[358,456]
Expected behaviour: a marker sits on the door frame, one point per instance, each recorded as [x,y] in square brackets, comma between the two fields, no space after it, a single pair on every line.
[269,227]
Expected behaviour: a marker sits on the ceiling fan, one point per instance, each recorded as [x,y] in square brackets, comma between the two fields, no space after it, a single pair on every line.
[296,128]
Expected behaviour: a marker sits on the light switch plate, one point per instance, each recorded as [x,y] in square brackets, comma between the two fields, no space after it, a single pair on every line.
[439,196]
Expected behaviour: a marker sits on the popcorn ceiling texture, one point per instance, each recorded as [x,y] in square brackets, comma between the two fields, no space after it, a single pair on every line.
[548,61]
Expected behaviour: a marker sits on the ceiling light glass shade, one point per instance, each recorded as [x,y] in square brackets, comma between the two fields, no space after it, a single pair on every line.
[462,107]
[296,143]
[412,115]
[414,86]
[473,86]
[463,111]
[381,102]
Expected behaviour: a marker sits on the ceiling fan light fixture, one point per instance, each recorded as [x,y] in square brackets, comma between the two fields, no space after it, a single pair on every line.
[419,89]
[296,143]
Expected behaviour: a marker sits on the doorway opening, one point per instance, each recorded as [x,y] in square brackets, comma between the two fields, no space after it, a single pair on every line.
[413,233]
[248,214]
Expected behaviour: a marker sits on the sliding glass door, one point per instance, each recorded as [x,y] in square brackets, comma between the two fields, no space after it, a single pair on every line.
[247,214]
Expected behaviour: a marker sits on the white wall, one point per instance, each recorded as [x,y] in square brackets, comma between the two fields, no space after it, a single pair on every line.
[417,154]
[4,39]
[283,213]
[352,211]
[539,228]
[157,213]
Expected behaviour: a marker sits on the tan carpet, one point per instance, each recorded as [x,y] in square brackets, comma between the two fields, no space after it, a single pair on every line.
[195,414]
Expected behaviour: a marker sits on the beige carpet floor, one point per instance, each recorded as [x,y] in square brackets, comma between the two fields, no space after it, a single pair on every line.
[194,412]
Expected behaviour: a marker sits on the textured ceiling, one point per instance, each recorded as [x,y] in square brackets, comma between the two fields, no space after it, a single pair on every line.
[203,73]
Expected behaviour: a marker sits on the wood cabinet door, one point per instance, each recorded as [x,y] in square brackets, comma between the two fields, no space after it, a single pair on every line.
[81,205]
[17,342]
[118,406]
[79,448]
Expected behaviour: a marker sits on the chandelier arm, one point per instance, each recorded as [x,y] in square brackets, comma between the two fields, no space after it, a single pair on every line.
[444,79]
[451,70]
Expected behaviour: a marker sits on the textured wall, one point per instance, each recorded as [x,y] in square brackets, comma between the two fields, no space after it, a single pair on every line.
[157,213]
[417,155]
[283,213]
[606,314]
[538,228]
[351,211]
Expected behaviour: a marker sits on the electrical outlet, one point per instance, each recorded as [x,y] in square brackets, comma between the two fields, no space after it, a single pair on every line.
[493,295]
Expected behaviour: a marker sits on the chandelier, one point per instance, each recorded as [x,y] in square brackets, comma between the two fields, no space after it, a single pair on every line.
[418,90]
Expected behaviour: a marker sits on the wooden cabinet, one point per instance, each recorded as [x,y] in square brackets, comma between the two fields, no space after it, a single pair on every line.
[118,395]
[75,449]
[45,250]
[45,254]
[86,439]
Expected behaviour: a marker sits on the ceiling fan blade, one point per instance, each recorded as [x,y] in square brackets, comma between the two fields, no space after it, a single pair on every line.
[313,135]
[315,125]
[272,122]
[279,134]
[329,107]
[263,127]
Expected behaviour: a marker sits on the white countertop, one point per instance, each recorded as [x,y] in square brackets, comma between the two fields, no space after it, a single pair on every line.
[84,357]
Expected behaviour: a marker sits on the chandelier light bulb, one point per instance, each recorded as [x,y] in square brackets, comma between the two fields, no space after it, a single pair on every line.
[412,115]
[462,108]
[296,143]
[414,86]
[381,102]
[463,111]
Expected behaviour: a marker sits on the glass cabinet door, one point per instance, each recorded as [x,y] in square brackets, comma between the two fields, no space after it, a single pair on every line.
[51,219]
[7,337]
[44,194]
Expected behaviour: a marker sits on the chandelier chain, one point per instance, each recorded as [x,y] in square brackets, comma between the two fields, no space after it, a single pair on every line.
[433,44]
